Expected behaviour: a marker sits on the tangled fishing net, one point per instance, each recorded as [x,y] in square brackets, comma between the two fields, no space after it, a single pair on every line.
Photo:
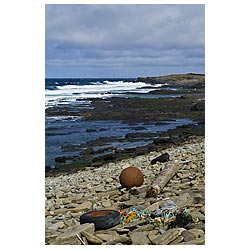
[167,216]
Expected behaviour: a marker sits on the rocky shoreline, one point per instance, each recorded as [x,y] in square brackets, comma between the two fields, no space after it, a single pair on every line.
[186,101]
[70,195]
[105,154]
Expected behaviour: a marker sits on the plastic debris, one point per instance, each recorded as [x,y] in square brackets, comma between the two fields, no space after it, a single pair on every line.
[130,217]
[133,215]
[167,216]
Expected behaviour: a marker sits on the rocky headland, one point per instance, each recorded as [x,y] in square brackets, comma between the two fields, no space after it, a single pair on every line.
[190,80]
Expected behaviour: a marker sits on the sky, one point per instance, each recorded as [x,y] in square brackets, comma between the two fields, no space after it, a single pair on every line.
[108,41]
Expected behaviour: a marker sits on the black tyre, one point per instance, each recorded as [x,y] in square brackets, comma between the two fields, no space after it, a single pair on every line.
[102,219]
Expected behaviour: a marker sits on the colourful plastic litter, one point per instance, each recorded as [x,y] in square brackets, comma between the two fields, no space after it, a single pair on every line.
[167,216]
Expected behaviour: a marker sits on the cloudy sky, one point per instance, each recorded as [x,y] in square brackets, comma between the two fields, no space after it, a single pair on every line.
[124,40]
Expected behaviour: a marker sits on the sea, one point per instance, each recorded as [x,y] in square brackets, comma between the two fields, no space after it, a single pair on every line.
[61,131]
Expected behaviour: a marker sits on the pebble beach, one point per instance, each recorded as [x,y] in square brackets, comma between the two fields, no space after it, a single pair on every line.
[68,196]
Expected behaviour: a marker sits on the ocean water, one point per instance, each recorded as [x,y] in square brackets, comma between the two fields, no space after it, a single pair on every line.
[68,91]
[61,131]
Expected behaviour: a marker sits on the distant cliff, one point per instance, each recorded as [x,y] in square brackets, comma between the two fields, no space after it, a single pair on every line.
[187,80]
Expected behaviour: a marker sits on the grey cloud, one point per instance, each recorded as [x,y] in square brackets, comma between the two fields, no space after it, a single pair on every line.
[126,61]
[124,35]
[103,26]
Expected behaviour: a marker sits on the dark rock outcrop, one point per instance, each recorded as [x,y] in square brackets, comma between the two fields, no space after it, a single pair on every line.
[187,80]
[161,158]
[90,130]
[199,106]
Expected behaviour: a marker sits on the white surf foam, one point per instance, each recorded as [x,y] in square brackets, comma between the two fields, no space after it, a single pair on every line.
[105,89]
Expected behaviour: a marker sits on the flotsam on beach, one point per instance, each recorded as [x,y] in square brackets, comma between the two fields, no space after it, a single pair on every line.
[70,195]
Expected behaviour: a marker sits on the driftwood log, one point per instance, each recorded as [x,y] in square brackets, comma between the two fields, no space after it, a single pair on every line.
[163,178]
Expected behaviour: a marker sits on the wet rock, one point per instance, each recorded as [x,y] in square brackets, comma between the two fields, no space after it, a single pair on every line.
[162,158]
[87,151]
[60,159]
[104,149]
[141,151]
[139,135]
[161,141]
[47,168]
[90,130]
[199,106]
[104,157]
[139,238]
[139,128]
[103,129]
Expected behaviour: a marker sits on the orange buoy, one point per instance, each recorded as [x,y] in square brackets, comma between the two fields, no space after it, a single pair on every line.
[131,177]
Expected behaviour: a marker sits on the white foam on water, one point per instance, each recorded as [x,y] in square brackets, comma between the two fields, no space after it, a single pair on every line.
[105,89]
[50,119]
